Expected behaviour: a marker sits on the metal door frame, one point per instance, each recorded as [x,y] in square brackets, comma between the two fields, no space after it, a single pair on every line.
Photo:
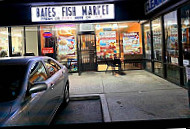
[79,56]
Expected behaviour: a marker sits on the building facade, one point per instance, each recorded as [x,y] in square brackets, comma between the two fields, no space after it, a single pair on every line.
[79,34]
[166,40]
[82,34]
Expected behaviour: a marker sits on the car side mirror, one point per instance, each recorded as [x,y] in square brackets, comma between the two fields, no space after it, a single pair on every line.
[38,87]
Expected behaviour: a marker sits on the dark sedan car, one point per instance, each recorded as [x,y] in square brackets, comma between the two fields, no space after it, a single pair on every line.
[31,90]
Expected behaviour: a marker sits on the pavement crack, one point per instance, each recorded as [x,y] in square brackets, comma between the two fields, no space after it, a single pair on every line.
[148,113]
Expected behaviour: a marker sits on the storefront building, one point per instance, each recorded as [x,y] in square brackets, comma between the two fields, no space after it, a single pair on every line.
[166,40]
[80,35]
[83,34]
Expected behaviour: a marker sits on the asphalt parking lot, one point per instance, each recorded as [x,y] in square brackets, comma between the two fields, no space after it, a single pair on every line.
[80,110]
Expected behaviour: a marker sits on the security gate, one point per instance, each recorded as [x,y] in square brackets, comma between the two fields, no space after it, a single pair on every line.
[87,52]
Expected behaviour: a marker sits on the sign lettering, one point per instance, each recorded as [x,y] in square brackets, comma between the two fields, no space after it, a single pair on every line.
[151,5]
[73,13]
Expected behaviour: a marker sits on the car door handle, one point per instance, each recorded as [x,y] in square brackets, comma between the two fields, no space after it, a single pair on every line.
[52,85]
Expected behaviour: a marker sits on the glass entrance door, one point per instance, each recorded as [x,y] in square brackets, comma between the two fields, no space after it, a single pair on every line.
[87,52]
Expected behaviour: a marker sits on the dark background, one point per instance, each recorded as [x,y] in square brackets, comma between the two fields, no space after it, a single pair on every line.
[17,12]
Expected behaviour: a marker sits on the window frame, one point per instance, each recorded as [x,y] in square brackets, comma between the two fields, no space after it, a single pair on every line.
[46,61]
[42,65]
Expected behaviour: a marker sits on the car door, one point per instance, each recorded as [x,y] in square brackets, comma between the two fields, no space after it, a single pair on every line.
[57,79]
[40,104]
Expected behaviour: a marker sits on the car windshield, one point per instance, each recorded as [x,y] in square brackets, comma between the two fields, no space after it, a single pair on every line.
[11,79]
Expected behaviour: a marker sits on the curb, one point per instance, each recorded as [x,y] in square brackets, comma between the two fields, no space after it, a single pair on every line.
[104,106]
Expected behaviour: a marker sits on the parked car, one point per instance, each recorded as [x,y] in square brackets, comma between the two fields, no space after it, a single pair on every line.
[31,90]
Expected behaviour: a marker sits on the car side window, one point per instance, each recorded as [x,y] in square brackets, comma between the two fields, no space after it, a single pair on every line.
[38,73]
[52,66]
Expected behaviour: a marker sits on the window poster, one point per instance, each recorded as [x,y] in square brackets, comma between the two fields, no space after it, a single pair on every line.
[131,43]
[66,49]
[107,44]
[66,41]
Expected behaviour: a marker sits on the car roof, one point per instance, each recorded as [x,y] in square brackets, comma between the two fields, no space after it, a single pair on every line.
[22,60]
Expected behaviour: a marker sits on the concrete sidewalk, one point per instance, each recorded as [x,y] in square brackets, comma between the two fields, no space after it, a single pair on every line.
[138,95]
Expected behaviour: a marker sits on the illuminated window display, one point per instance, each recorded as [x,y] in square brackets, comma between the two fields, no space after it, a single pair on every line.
[118,40]
[130,44]
[157,46]
[66,41]
[185,22]
[130,38]
[4,44]
[171,38]
[157,39]
[31,40]
[147,43]
[107,44]
[59,42]
[172,47]
[17,34]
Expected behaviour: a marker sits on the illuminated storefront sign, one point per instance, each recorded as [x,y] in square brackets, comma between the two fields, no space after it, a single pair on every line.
[73,13]
[151,5]
[47,34]
[46,50]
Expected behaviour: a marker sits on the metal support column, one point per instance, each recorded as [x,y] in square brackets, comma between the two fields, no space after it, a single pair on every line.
[163,48]
[180,59]
[39,41]
[24,40]
[152,48]
[143,46]
[10,41]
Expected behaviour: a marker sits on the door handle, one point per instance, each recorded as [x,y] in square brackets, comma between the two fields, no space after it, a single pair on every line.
[52,85]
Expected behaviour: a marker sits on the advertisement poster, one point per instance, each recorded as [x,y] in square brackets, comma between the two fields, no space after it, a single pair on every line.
[187,73]
[66,41]
[66,44]
[172,39]
[131,43]
[107,44]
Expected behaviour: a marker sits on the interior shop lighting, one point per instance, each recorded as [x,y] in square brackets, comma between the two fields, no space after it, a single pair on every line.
[147,25]
[125,26]
[186,22]
[5,33]
[17,35]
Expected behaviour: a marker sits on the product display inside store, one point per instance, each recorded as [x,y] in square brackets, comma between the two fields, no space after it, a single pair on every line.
[118,40]
[4,46]
[61,39]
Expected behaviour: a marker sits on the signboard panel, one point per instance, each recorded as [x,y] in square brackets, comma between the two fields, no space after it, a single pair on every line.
[151,5]
[72,13]
[46,50]
[131,44]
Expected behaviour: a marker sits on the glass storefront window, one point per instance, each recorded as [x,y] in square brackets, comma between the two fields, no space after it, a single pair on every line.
[121,40]
[130,43]
[59,42]
[148,65]
[147,41]
[157,39]
[172,47]
[157,46]
[31,40]
[17,34]
[4,43]
[158,68]
[171,38]
[107,43]
[130,38]
[185,22]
